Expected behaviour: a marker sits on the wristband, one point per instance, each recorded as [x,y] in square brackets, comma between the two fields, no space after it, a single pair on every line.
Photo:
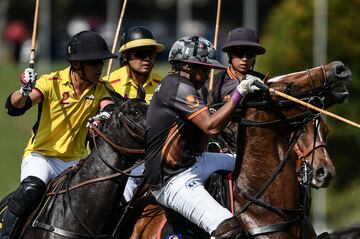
[236,97]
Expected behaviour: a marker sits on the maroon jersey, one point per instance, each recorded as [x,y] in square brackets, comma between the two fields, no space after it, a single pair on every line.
[172,140]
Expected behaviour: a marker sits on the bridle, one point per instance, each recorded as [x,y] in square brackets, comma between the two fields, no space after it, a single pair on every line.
[133,129]
[118,148]
[318,143]
[282,212]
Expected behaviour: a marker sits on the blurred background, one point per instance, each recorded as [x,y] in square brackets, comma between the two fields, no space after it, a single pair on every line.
[297,35]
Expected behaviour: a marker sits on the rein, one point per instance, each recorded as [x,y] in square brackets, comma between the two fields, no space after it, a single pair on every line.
[238,193]
[117,147]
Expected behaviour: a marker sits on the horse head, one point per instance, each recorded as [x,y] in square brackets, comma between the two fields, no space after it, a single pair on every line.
[327,81]
[312,159]
[126,126]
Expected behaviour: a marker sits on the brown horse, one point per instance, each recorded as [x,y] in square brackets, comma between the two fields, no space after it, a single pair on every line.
[266,189]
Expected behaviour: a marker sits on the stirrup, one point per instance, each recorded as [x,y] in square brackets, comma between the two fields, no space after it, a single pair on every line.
[10,225]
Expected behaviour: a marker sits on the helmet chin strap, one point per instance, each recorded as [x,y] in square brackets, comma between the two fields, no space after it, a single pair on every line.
[80,72]
[253,65]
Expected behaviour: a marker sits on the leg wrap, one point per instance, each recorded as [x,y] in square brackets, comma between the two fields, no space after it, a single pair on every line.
[229,229]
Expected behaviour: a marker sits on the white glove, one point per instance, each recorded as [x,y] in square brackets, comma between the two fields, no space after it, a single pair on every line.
[28,79]
[98,119]
[247,85]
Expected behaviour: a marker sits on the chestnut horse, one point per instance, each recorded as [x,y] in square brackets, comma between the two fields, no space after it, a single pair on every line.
[84,202]
[266,188]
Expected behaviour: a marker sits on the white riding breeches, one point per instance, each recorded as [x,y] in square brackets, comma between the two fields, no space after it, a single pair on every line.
[133,183]
[45,168]
[185,193]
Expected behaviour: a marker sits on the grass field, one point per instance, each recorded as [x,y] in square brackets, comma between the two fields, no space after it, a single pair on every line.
[343,208]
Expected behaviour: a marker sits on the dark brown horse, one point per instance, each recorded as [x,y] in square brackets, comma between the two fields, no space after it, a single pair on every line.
[84,202]
[266,191]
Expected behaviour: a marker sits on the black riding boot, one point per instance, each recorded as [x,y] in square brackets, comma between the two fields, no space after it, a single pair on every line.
[21,204]
[229,229]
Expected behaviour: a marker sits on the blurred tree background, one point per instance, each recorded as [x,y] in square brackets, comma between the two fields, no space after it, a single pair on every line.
[286,31]
[288,36]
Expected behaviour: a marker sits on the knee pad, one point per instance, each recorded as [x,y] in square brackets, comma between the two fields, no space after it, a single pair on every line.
[229,229]
[27,196]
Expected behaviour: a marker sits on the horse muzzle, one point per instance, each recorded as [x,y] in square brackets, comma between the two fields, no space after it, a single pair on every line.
[338,77]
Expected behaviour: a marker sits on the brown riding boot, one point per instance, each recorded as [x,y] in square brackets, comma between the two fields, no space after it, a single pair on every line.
[229,229]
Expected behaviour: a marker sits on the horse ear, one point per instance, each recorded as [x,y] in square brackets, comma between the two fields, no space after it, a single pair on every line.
[114,95]
[117,97]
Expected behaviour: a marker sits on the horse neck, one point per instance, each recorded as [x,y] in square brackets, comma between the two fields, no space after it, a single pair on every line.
[264,149]
[94,167]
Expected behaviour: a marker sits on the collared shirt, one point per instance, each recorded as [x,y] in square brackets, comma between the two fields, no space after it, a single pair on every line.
[127,87]
[60,130]
[172,140]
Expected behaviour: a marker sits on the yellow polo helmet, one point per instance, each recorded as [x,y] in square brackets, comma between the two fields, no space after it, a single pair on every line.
[139,36]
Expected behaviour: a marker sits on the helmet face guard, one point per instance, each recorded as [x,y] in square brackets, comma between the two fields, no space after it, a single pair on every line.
[194,50]
[139,36]
[243,37]
[88,46]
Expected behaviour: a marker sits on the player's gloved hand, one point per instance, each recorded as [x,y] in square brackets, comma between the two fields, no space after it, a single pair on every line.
[98,119]
[249,85]
[28,79]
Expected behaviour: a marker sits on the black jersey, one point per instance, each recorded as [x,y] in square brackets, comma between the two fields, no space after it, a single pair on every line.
[172,140]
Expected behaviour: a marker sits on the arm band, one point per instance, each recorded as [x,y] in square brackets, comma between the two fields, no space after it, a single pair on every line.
[13,111]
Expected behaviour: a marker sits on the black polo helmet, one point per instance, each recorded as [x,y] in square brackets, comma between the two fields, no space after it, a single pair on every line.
[243,37]
[139,36]
[87,46]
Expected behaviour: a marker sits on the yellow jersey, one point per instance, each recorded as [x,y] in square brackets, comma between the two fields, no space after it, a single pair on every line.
[60,130]
[125,86]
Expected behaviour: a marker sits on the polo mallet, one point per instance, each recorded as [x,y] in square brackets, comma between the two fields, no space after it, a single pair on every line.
[116,38]
[33,39]
[211,82]
[289,97]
